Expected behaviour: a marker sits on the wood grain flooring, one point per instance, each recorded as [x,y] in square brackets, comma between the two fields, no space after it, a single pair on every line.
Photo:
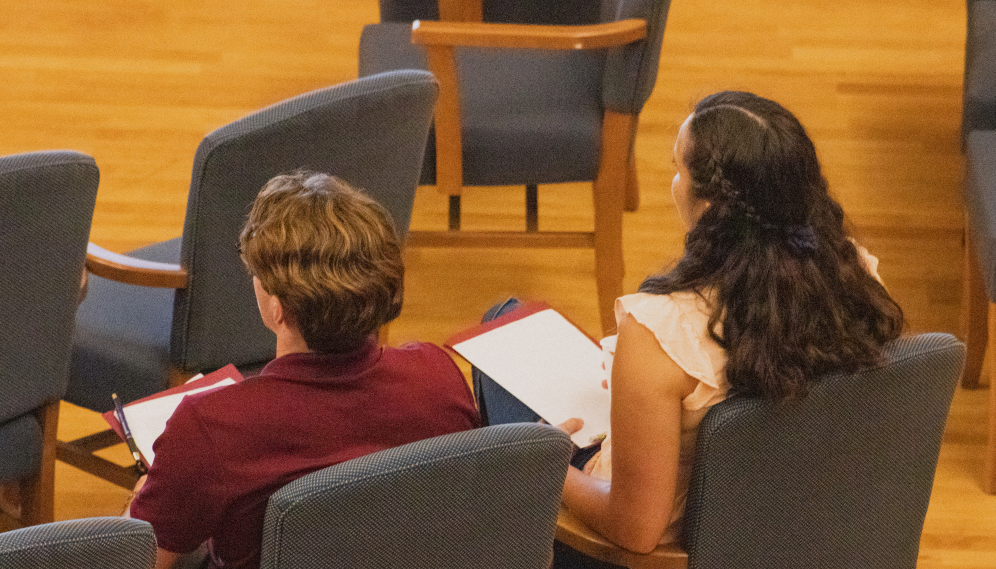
[138,83]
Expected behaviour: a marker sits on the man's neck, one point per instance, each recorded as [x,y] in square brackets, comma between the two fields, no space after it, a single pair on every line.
[289,341]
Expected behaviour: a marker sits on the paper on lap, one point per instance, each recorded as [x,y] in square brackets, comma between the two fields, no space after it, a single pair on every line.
[547,363]
[147,419]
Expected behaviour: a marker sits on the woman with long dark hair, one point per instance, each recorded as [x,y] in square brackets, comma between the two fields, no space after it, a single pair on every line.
[770,294]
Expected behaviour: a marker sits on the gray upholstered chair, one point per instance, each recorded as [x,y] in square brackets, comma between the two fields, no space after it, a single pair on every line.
[47,200]
[476,499]
[197,310]
[89,543]
[526,102]
[979,138]
[839,479]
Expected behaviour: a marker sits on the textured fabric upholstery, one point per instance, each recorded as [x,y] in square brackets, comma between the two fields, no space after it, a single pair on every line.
[47,200]
[979,135]
[562,12]
[979,112]
[91,543]
[980,200]
[123,349]
[512,132]
[530,116]
[631,71]
[20,447]
[839,479]
[481,498]
[370,132]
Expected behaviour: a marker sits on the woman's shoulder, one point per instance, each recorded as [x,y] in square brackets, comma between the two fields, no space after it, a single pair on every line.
[652,310]
[868,261]
[680,322]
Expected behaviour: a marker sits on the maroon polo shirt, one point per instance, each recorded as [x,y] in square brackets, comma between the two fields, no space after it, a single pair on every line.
[225,452]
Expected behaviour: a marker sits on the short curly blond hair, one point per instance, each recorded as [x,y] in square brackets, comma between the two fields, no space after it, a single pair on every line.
[329,253]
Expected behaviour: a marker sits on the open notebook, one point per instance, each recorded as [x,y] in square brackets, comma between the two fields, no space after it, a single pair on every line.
[545,361]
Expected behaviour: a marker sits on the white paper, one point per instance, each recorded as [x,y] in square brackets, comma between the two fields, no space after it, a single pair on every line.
[548,364]
[147,420]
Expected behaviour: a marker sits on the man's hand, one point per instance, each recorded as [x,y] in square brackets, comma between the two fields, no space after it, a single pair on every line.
[138,487]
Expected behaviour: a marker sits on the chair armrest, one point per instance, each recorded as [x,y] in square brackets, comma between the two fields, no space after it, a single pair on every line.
[129,270]
[441,39]
[575,534]
[476,34]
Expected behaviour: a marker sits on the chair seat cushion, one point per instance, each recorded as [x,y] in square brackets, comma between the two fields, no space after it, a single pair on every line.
[20,447]
[513,132]
[122,340]
[980,201]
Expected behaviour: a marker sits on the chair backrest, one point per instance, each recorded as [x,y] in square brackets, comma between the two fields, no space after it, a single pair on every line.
[370,132]
[481,498]
[90,543]
[979,108]
[47,199]
[562,12]
[630,72]
[839,479]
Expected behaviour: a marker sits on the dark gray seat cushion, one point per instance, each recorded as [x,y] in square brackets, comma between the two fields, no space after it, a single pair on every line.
[21,441]
[513,132]
[122,337]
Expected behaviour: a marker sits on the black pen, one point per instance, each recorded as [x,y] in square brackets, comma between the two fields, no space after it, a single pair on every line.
[137,454]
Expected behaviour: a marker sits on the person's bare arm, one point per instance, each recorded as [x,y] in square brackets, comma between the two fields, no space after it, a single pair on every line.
[633,510]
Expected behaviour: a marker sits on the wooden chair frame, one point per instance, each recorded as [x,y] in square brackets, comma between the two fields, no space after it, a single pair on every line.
[128,270]
[574,533]
[615,188]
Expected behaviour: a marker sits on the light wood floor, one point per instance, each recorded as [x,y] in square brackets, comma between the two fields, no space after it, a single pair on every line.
[138,83]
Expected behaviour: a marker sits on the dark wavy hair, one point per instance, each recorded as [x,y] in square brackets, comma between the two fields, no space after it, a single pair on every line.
[331,255]
[788,288]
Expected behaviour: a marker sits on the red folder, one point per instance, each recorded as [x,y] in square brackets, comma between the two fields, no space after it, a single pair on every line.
[227,372]
[519,313]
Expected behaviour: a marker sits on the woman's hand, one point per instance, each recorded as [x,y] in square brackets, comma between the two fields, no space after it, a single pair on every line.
[571,426]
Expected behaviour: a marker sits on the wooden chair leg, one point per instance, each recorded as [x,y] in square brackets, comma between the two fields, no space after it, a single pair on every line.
[632,184]
[974,311]
[38,491]
[609,200]
[80,453]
